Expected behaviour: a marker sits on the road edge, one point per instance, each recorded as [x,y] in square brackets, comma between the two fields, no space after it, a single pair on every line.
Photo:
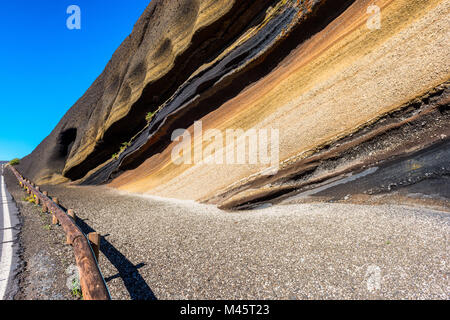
[15,222]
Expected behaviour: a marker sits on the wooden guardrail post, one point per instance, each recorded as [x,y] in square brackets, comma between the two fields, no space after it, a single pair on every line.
[94,239]
[54,219]
[72,214]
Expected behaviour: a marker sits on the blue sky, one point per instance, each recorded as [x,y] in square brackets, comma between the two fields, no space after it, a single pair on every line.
[45,67]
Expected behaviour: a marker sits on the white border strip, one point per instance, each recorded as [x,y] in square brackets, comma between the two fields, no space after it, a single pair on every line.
[7,243]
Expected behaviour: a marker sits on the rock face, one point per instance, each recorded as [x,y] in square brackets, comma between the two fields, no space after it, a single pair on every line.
[347,84]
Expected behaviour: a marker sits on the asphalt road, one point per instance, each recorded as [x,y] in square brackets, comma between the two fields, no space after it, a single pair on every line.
[9,223]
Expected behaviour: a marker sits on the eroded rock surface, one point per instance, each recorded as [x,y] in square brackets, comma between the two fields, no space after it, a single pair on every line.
[342,94]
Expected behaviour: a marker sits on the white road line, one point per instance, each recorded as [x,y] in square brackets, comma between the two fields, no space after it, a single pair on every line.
[7,243]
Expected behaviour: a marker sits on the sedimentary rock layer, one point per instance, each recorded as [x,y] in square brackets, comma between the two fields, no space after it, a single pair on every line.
[170,41]
[339,90]
[332,85]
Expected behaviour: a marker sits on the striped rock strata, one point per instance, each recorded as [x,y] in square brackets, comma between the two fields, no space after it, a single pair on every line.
[343,92]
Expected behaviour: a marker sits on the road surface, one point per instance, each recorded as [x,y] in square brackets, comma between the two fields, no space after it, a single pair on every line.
[170,249]
[8,245]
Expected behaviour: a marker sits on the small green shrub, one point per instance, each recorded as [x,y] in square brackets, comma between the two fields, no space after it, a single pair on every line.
[14,162]
[124,146]
[149,116]
[30,199]
[76,289]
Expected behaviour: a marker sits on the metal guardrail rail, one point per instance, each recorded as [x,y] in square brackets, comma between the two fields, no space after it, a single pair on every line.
[92,283]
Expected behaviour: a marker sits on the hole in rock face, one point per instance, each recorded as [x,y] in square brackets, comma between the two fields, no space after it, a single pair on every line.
[65,142]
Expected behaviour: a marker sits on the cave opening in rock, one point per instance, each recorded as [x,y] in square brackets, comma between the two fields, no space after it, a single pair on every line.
[65,142]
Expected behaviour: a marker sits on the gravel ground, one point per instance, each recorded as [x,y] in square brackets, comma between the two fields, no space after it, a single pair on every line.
[46,261]
[172,249]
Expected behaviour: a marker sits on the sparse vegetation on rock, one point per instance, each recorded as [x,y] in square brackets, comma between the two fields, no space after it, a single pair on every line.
[14,162]
[124,146]
[149,116]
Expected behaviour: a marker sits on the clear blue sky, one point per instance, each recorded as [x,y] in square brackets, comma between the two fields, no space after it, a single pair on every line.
[45,67]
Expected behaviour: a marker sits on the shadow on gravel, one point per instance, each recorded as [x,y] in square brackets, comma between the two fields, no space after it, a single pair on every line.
[128,272]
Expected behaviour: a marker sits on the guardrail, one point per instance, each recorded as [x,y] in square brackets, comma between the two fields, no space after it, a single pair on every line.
[93,285]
